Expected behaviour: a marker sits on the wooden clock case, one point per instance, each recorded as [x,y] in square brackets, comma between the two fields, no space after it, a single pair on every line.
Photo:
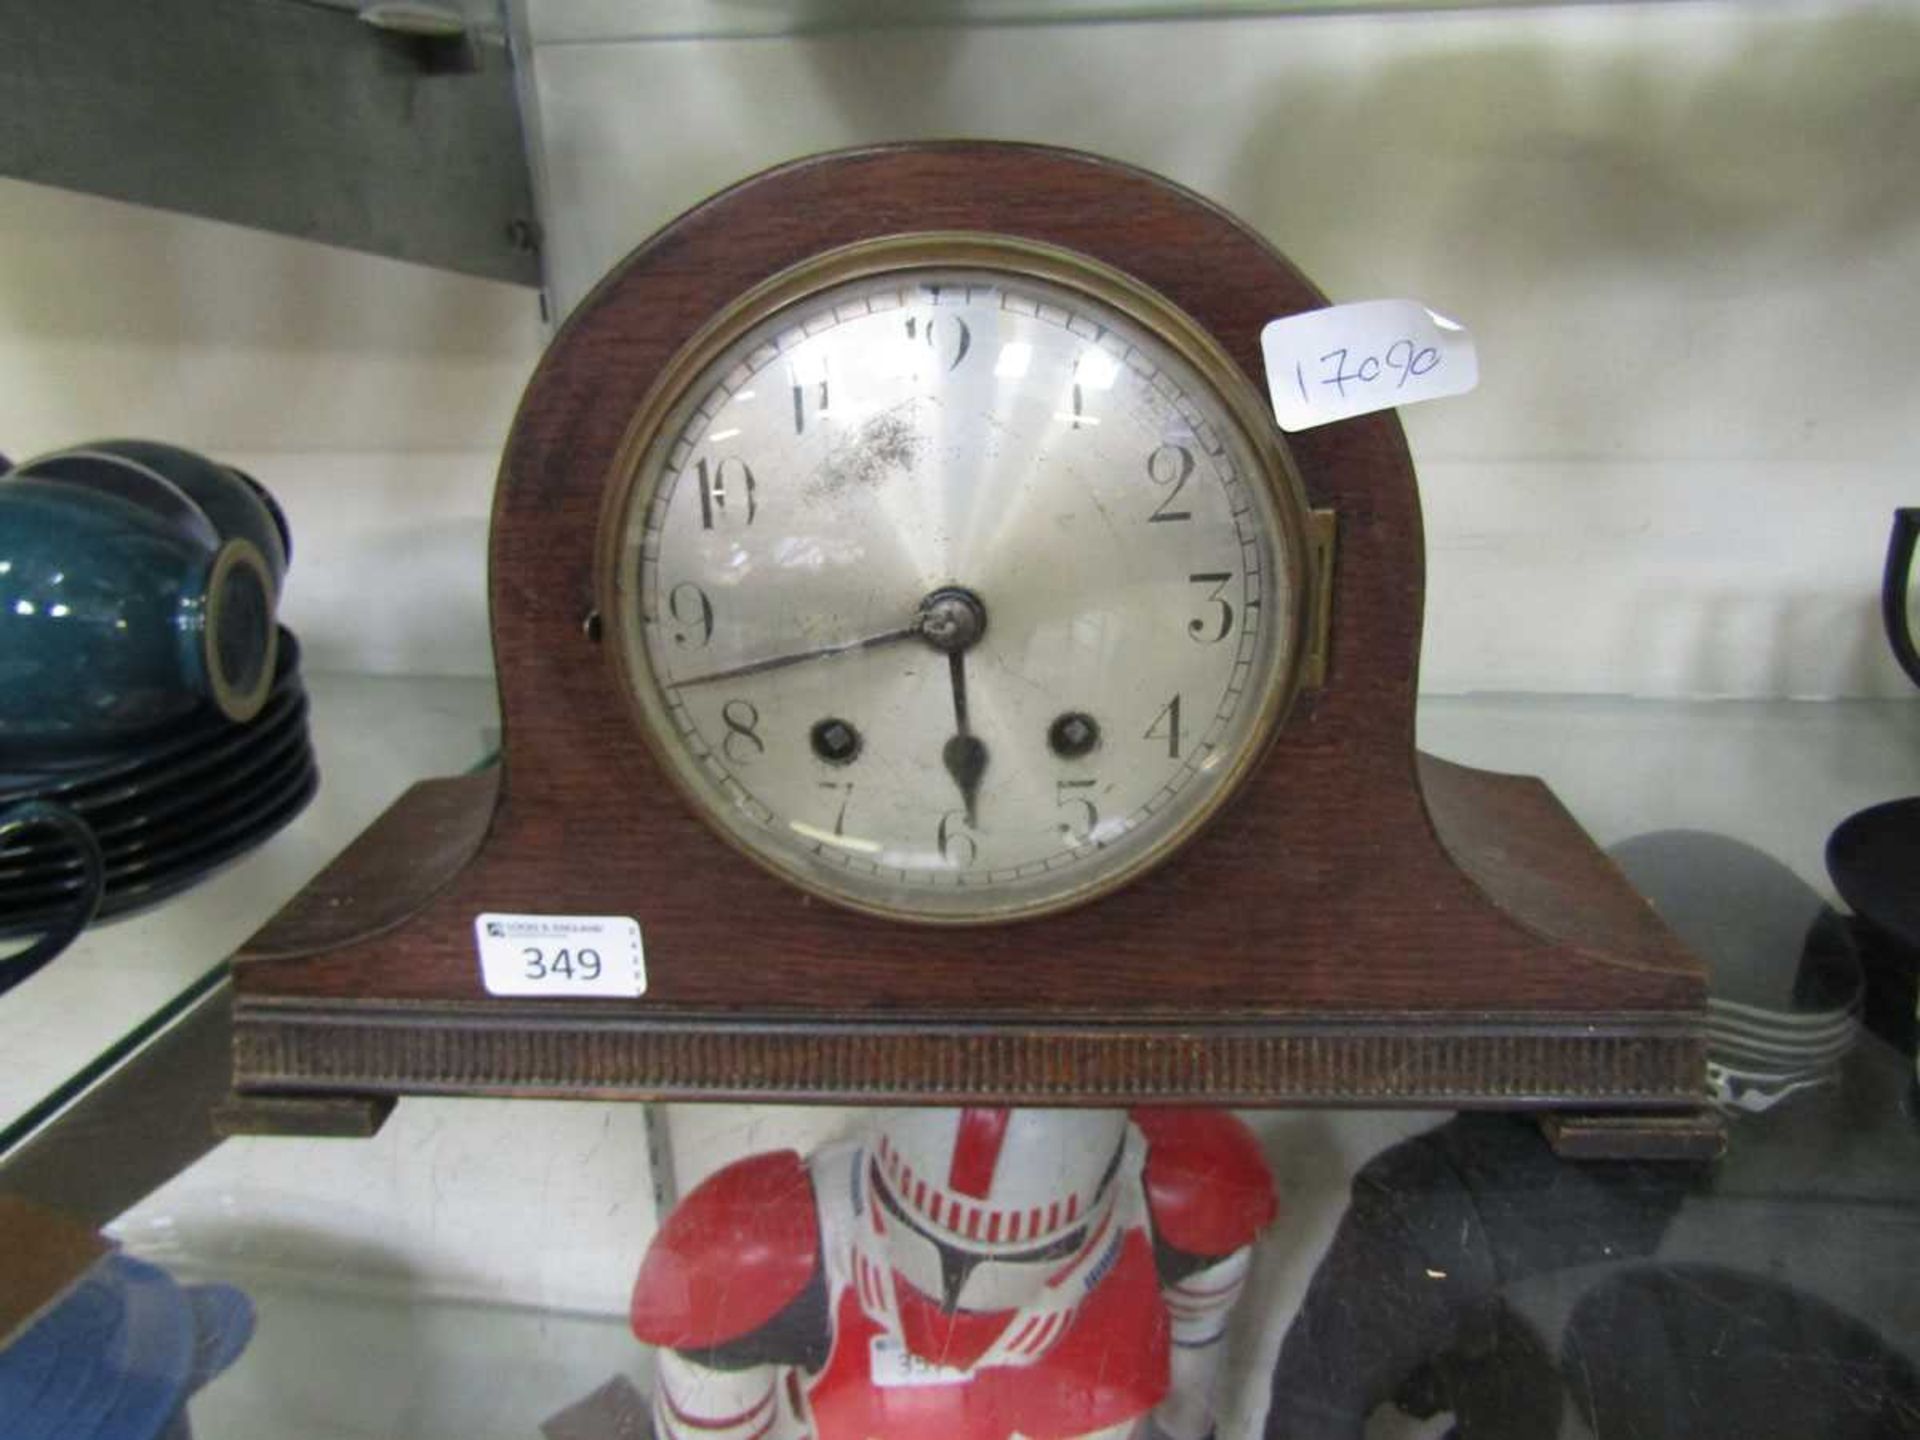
[1360,925]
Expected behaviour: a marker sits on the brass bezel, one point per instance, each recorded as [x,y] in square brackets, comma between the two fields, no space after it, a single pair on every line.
[944,250]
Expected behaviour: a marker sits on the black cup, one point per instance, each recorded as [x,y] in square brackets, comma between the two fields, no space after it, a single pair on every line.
[43,816]
[1894,588]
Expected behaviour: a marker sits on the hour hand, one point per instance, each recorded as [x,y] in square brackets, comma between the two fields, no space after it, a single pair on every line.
[965,757]
[964,754]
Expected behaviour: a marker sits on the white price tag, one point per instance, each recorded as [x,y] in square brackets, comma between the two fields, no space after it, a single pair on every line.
[895,1367]
[558,955]
[1350,360]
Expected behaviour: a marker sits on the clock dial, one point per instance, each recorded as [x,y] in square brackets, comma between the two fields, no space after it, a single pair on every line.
[958,592]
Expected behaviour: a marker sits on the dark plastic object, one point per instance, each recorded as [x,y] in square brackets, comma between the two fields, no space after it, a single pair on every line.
[1893,590]
[1407,1304]
[118,1357]
[1698,1352]
[1874,859]
[1874,856]
[63,923]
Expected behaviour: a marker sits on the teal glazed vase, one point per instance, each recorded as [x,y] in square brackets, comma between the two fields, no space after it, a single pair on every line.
[125,607]
[192,490]
[236,503]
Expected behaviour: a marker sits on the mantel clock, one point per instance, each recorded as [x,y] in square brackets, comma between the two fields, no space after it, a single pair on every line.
[908,613]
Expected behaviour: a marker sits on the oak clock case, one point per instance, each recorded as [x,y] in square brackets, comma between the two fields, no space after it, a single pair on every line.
[956,579]
[1317,913]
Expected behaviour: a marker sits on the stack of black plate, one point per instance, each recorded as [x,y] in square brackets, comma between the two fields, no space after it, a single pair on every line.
[1783,1008]
[165,815]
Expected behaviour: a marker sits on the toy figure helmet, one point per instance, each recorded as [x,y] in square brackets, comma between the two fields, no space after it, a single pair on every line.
[979,1207]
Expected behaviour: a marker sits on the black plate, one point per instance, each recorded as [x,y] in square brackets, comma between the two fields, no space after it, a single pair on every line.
[33,889]
[131,820]
[235,764]
[288,708]
[220,804]
[51,891]
[1874,859]
[130,784]
[165,881]
[95,779]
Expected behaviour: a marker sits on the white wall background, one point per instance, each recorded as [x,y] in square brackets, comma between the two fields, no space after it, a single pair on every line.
[1687,237]
[371,397]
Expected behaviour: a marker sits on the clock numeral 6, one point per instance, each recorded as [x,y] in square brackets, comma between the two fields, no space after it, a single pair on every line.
[742,741]
[1204,629]
[689,605]
[957,847]
[1170,465]
[713,490]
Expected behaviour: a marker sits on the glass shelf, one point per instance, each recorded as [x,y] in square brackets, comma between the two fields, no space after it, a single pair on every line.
[1778,775]
[373,736]
[465,1273]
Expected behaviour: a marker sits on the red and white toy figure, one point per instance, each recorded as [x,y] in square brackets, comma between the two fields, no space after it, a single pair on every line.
[959,1275]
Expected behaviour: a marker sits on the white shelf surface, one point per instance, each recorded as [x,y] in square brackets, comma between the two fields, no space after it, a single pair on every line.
[333,1361]
[1776,774]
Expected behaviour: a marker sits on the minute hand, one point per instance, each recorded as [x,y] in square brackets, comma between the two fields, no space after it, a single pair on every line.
[780,662]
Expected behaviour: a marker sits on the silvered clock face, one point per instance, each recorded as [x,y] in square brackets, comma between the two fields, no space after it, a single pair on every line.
[958,592]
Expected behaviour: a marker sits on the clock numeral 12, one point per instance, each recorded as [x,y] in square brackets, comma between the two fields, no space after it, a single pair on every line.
[934,326]
[800,393]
